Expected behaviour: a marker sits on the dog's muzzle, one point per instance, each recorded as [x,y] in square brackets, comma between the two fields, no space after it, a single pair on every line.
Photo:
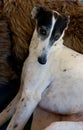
[42,60]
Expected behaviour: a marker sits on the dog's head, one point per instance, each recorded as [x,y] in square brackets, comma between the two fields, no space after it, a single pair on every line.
[50,26]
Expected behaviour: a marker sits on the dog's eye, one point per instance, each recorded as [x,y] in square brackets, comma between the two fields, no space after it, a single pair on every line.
[43,31]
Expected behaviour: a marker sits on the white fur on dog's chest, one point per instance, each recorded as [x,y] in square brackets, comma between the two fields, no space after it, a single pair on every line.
[35,76]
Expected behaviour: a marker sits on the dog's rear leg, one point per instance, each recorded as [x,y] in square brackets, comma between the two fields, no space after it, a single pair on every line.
[23,112]
[7,113]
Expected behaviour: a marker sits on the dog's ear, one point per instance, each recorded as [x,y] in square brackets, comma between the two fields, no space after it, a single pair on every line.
[36,11]
[63,22]
[60,26]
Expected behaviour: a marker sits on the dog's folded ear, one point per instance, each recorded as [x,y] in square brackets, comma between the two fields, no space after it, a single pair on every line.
[36,11]
[62,22]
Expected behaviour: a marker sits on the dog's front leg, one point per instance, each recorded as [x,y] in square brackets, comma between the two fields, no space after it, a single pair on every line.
[31,96]
[26,106]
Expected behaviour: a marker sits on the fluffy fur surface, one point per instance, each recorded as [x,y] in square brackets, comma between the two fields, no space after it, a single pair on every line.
[6,71]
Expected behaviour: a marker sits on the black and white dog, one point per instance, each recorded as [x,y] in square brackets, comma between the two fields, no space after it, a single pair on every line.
[50,65]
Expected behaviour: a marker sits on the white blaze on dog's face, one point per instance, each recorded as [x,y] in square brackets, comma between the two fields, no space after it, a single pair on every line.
[50,26]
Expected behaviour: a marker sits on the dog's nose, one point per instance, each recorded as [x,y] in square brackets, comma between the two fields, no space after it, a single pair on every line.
[42,60]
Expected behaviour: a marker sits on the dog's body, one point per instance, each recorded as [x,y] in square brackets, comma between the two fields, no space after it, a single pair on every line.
[65,94]
[51,64]
[63,75]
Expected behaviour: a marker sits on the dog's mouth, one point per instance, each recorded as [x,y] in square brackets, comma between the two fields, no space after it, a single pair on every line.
[42,60]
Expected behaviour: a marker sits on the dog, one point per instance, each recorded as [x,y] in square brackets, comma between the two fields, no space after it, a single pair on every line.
[50,65]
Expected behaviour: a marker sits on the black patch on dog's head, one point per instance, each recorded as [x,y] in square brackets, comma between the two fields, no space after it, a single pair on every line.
[44,17]
[44,20]
[60,25]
